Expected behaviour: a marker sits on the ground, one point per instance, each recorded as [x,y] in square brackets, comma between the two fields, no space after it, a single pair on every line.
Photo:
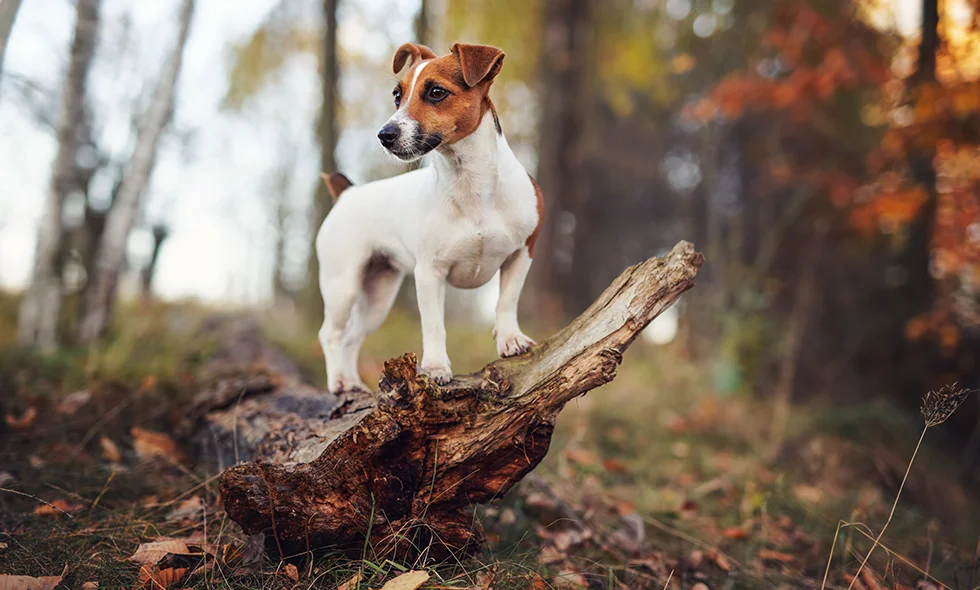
[656,480]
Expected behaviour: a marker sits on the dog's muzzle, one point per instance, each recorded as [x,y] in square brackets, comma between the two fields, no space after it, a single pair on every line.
[409,144]
[389,134]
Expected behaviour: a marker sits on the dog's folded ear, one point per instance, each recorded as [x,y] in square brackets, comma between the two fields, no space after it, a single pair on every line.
[410,50]
[480,63]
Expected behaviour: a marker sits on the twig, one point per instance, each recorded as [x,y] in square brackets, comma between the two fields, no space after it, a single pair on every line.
[32,497]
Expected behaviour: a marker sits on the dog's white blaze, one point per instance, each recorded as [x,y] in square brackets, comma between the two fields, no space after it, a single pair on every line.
[415,79]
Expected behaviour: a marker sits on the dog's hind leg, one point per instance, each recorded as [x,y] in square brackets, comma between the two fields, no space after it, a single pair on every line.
[342,322]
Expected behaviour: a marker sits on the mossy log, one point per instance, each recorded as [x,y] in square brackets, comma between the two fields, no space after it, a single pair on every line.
[406,466]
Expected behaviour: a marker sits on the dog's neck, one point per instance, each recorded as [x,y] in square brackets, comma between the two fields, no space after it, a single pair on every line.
[467,171]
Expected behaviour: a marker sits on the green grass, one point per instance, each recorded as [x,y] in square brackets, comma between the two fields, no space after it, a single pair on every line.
[659,445]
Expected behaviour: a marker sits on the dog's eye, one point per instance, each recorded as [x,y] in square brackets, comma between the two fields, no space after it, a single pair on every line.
[397,93]
[437,93]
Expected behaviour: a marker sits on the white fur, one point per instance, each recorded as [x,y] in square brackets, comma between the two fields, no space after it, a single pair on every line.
[456,222]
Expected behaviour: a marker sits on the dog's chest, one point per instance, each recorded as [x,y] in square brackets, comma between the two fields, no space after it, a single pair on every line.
[474,246]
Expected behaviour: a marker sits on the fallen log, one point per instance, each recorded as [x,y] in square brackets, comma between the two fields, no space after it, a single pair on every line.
[404,468]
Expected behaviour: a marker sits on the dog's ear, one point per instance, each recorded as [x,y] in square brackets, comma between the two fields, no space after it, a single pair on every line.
[410,50]
[480,63]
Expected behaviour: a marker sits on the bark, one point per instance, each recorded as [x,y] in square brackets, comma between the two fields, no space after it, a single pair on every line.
[41,306]
[327,134]
[110,256]
[160,233]
[565,63]
[403,470]
[8,13]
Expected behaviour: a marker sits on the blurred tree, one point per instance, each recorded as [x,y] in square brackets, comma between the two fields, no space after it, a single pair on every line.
[310,299]
[110,257]
[41,306]
[567,59]
[160,232]
[8,12]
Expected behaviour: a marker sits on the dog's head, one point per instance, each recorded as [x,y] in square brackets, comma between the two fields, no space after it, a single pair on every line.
[439,100]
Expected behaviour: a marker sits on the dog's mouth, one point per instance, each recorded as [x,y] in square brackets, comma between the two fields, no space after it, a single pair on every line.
[423,145]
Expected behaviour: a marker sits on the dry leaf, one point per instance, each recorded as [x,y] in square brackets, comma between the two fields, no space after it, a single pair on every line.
[90,585]
[28,582]
[291,572]
[869,579]
[352,583]
[549,554]
[736,533]
[538,583]
[109,450]
[700,586]
[854,582]
[190,509]
[152,578]
[3,546]
[770,555]
[149,445]
[614,465]
[57,508]
[582,457]
[23,422]
[721,560]
[73,402]
[152,553]
[408,581]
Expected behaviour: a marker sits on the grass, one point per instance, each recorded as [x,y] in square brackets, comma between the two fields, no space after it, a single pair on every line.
[666,478]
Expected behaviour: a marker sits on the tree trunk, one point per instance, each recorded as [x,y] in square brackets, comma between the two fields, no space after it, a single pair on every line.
[565,63]
[110,257]
[160,233]
[8,12]
[405,469]
[41,306]
[310,299]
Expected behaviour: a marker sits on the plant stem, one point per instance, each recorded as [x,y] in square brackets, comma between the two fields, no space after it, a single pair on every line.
[894,506]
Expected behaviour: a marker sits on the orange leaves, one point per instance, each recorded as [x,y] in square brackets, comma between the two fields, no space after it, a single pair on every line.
[155,445]
[23,422]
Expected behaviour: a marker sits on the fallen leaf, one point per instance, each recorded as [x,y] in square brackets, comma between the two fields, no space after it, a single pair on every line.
[582,457]
[700,586]
[109,450]
[407,581]
[90,585]
[568,578]
[507,517]
[549,554]
[151,553]
[57,508]
[736,533]
[854,582]
[23,422]
[73,402]
[36,462]
[614,465]
[291,572]
[6,477]
[190,509]
[869,579]
[721,560]
[770,555]
[149,445]
[808,494]
[352,583]
[28,582]
[538,583]
[153,578]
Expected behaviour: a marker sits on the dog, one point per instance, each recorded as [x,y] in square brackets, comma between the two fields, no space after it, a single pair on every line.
[473,212]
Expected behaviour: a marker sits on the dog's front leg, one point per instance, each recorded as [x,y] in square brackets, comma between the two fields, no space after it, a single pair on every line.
[506,331]
[430,286]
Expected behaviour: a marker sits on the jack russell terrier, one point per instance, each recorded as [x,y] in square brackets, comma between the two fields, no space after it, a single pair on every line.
[473,212]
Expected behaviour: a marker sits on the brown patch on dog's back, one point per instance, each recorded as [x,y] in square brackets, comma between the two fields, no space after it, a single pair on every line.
[336,183]
[533,238]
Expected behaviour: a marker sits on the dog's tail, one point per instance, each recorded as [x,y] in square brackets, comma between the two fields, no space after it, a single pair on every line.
[336,184]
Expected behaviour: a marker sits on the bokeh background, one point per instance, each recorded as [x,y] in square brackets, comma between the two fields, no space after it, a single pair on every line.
[159,162]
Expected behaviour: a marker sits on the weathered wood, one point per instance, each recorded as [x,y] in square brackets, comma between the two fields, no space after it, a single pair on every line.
[406,467]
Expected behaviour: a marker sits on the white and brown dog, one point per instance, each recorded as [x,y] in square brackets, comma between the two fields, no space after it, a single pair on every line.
[473,212]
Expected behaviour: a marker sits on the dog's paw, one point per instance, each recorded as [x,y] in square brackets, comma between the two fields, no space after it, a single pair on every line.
[441,373]
[348,385]
[513,344]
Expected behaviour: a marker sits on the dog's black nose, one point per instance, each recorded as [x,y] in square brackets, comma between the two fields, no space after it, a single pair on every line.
[389,135]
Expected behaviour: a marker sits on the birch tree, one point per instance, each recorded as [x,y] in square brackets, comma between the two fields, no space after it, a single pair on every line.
[41,306]
[8,12]
[110,256]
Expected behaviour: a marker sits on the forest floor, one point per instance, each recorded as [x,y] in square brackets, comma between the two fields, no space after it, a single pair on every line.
[656,480]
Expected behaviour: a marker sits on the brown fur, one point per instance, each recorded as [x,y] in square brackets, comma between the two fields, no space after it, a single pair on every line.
[466,73]
[336,183]
[533,238]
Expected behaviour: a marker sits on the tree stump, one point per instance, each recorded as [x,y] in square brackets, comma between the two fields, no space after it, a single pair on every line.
[404,469]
